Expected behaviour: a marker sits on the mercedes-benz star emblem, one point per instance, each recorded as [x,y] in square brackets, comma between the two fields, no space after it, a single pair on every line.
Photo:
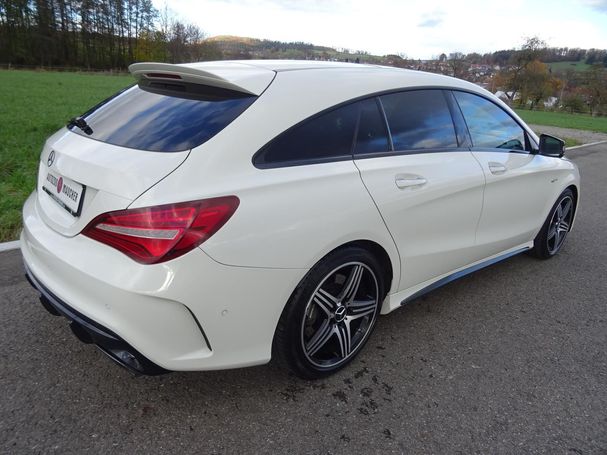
[51,158]
[340,313]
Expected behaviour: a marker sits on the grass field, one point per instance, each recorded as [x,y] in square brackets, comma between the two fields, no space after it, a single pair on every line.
[564,120]
[562,66]
[33,105]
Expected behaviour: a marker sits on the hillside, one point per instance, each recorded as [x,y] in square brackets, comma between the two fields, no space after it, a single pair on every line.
[563,66]
[238,47]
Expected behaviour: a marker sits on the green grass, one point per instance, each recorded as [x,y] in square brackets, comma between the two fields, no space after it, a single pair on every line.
[563,66]
[570,142]
[564,120]
[33,105]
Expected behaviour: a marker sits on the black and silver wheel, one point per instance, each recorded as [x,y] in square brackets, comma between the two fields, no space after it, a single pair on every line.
[551,237]
[331,314]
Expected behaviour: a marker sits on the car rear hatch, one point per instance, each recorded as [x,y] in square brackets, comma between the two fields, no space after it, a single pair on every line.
[105,159]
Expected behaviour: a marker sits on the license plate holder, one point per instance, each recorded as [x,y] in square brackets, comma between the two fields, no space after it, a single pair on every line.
[65,192]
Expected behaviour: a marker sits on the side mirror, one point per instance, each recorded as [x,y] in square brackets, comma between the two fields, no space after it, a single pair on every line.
[551,146]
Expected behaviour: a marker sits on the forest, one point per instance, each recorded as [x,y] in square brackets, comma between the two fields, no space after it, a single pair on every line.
[96,34]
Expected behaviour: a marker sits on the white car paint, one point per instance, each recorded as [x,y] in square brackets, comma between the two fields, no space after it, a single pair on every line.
[114,176]
[528,185]
[432,238]
[235,285]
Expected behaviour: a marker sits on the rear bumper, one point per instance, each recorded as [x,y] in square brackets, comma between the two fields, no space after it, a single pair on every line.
[188,314]
[91,332]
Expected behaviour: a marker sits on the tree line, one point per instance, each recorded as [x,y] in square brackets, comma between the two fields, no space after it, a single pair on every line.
[96,34]
[528,81]
[549,54]
[531,77]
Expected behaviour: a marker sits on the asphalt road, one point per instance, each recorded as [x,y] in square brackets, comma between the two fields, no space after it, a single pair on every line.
[512,359]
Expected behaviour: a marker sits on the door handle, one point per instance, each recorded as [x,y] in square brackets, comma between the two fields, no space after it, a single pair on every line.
[403,182]
[497,168]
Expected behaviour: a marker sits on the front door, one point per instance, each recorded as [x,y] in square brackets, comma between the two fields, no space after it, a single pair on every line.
[429,190]
[517,179]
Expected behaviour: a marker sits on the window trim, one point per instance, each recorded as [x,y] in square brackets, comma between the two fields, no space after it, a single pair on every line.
[382,116]
[459,122]
[392,151]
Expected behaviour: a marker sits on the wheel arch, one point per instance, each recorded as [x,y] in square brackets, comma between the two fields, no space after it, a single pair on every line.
[282,331]
[576,196]
[374,248]
[381,255]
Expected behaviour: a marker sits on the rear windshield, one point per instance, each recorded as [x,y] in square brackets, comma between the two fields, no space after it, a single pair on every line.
[140,119]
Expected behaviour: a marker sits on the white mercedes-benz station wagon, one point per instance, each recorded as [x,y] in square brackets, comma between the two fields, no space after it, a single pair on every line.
[217,215]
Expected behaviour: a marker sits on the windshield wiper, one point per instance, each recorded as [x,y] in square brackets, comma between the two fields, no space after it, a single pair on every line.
[80,123]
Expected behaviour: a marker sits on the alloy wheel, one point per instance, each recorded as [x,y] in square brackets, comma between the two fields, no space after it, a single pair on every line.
[560,223]
[340,315]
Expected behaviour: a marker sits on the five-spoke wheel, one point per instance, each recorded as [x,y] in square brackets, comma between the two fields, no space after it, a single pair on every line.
[559,224]
[551,237]
[331,313]
[339,314]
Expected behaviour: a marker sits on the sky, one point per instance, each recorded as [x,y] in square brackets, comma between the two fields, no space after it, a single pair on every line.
[419,29]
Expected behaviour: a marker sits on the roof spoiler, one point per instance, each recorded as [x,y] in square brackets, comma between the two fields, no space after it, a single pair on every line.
[238,77]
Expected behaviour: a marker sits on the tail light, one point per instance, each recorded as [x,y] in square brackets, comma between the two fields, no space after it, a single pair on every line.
[156,234]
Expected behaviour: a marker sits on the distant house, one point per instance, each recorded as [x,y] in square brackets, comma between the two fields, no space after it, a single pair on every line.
[550,101]
[506,96]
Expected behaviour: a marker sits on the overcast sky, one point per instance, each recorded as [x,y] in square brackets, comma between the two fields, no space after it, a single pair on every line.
[419,29]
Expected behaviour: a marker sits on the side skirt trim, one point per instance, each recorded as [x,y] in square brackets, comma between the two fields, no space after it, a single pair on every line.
[460,274]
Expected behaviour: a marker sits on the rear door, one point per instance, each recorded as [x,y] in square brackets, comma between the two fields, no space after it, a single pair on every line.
[426,183]
[517,179]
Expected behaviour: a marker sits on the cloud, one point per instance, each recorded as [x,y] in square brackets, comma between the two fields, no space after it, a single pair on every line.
[309,5]
[599,5]
[418,29]
[317,6]
[430,22]
[431,19]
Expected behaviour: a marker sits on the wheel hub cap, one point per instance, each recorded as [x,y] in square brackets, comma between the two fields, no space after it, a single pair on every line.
[340,313]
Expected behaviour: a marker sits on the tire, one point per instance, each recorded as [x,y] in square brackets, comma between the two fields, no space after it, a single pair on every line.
[331,314]
[551,237]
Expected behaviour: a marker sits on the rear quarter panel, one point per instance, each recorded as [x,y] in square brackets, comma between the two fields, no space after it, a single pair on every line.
[288,217]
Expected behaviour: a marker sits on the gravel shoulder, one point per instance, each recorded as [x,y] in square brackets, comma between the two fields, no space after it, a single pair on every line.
[582,136]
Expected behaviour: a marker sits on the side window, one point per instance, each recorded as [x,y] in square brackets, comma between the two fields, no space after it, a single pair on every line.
[322,138]
[372,136]
[419,119]
[489,125]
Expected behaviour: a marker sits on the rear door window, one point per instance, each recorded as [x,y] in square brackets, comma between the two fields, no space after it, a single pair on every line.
[372,135]
[419,120]
[489,125]
[166,121]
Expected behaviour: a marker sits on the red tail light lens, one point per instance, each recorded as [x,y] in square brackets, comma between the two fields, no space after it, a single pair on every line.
[156,234]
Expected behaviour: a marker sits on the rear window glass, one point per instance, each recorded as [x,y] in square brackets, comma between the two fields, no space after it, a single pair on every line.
[158,122]
[419,119]
[326,137]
